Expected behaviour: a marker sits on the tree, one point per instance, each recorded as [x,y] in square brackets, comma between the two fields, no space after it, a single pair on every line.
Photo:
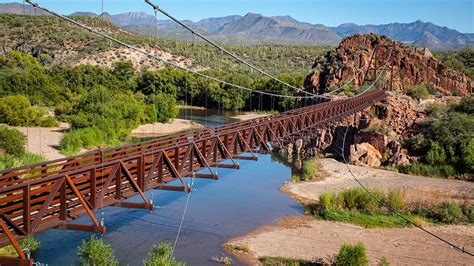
[12,141]
[436,154]
[161,255]
[467,155]
[354,255]
[94,251]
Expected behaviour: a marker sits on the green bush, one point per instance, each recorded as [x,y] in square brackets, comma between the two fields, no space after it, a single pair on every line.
[359,199]
[16,110]
[427,170]
[436,155]
[465,106]
[10,161]
[467,155]
[29,245]
[419,92]
[395,200]
[330,200]
[352,255]
[448,212]
[12,141]
[384,262]
[94,251]
[75,139]
[161,255]
[309,170]
[468,212]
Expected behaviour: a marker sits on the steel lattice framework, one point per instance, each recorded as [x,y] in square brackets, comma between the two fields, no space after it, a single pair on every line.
[51,194]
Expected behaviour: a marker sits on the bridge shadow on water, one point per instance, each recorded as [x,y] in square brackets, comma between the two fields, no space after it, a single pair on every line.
[237,203]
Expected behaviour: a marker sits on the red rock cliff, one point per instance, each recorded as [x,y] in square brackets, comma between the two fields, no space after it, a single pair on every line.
[357,56]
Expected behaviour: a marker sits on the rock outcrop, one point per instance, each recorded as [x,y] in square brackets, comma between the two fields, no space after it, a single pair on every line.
[357,56]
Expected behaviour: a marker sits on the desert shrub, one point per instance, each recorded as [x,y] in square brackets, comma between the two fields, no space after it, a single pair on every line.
[384,262]
[467,155]
[427,170]
[419,92]
[94,251]
[10,161]
[468,212]
[161,255]
[16,110]
[76,139]
[395,200]
[359,199]
[437,110]
[465,106]
[353,199]
[448,212]
[12,141]
[330,200]
[381,128]
[309,170]
[436,154]
[352,255]
[30,245]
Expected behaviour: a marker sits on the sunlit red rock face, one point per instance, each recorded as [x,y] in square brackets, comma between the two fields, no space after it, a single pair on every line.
[358,55]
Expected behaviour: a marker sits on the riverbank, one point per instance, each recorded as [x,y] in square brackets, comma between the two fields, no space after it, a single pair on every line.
[305,237]
[45,140]
[157,129]
[248,116]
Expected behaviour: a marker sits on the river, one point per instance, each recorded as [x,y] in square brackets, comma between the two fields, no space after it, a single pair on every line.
[239,202]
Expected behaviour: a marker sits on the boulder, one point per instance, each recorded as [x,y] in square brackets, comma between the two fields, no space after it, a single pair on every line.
[365,154]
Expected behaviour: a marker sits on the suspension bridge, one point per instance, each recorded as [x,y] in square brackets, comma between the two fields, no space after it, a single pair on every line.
[53,194]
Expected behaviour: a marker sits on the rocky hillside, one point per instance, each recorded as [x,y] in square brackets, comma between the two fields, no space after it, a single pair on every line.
[357,56]
[57,42]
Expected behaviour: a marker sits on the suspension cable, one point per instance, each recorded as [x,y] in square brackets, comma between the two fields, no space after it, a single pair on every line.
[261,71]
[164,60]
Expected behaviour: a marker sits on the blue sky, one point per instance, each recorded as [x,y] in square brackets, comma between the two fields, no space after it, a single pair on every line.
[456,14]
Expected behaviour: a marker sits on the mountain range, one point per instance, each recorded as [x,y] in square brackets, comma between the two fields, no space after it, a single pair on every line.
[256,29]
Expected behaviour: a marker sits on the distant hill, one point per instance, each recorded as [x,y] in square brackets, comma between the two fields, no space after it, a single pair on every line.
[256,29]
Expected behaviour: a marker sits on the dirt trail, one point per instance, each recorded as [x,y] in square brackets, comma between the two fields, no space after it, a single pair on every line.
[305,237]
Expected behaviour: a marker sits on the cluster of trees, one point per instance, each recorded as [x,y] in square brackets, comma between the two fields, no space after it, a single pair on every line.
[110,103]
[445,142]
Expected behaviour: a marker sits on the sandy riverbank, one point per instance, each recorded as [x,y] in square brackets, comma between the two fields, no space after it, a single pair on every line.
[308,238]
[177,125]
[425,189]
[248,116]
[305,237]
[45,140]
